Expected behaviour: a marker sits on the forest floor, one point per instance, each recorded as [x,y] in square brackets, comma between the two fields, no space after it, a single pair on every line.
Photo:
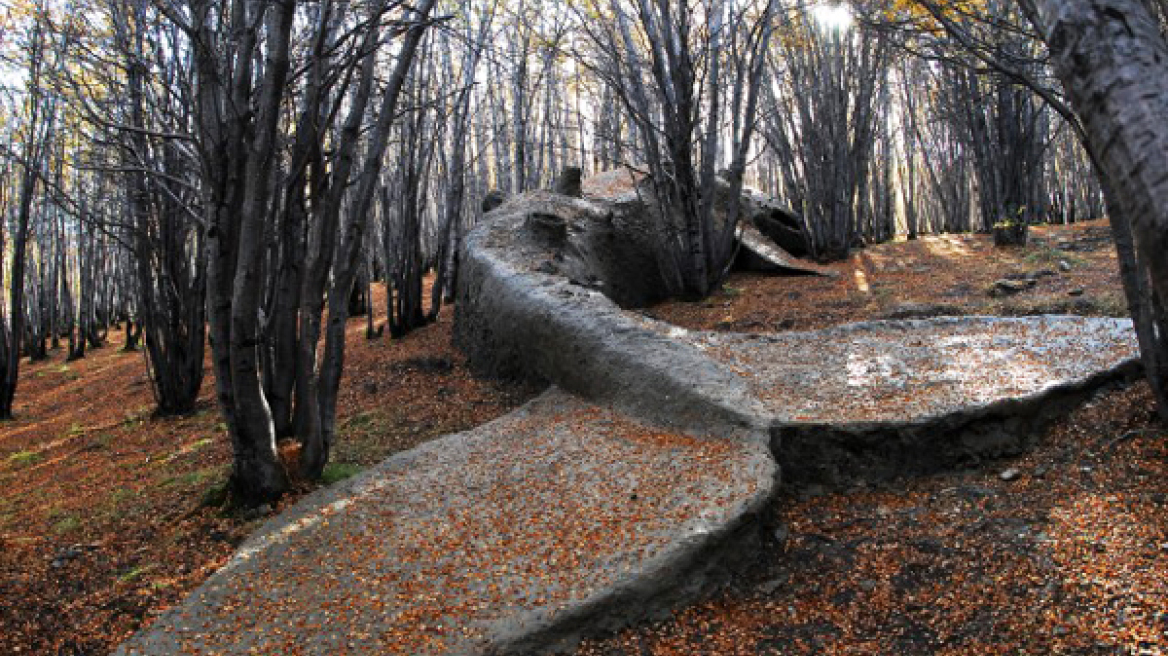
[102,523]
[1061,551]
[102,515]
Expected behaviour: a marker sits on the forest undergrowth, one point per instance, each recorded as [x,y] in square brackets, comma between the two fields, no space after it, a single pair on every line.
[104,521]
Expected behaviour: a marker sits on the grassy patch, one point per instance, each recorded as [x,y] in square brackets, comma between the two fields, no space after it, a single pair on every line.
[1103,305]
[24,458]
[102,441]
[124,494]
[216,495]
[135,418]
[195,478]
[66,372]
[1050,257]
[338,471]
[120,504]
[66,524]
[358,428]
[135,572]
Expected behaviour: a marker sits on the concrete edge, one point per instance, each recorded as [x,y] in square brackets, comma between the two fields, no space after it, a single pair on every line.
[541,326]
[835,454]
[696,567]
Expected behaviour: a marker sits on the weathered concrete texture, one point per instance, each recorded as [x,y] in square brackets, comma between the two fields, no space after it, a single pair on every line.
[760,253]
[889,398]
[869,400]
[559,518]
[530,304]
[779,224]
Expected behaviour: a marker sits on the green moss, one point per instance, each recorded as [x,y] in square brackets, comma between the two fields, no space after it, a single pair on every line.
[1050,257]
[24,457]
[67,524]
[338,471]
[135,572]
[216,495]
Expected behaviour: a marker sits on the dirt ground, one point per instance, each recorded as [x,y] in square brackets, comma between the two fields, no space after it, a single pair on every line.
[1067,556]
[102,523]
[950,274]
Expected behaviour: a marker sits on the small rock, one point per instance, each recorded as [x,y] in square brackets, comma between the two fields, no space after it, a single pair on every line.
[1007,287]
[771,586]
[781,533]
[1010,474]
[1042,273]
[1040,471]
[920,311]
[1064,265]
[869,585]
[262,510]
[64,556]
[1078,291]
[1061,630]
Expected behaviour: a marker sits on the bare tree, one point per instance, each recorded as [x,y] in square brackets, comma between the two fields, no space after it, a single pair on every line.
[666,61]
[34,138]
[822,126]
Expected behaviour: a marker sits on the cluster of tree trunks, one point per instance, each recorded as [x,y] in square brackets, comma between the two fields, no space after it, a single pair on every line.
[248,170]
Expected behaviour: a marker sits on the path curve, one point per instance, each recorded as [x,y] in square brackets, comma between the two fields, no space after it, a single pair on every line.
[634,485]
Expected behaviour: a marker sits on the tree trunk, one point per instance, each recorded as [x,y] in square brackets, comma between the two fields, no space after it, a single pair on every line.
[1113,61]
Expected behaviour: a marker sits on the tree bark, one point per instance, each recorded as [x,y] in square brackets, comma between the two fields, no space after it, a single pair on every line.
[1113,62]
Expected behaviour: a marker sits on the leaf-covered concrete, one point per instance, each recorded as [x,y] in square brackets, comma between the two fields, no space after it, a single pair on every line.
[634,485]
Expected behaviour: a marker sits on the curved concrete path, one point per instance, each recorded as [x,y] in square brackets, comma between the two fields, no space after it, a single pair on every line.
[570,517]
[513,537]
